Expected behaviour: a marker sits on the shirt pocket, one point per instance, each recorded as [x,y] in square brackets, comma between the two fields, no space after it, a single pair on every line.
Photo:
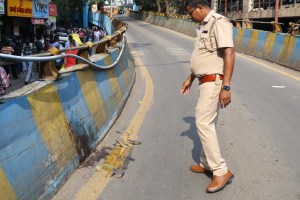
[203,41]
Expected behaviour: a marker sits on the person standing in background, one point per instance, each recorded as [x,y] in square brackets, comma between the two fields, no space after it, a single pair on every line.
[7,49]
[27,50]
[69,61]
[4,81]
[17,46]
[68,44]
[39,44]
[47,44]
[56,44]
[39,49]
[96,35]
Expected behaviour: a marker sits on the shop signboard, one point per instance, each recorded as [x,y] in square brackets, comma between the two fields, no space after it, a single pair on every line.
[52,10]
[2,8]
[38,21]
[40,10]
[19,8]
[51,22]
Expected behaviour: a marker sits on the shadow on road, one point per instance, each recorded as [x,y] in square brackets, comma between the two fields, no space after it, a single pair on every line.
[192,134]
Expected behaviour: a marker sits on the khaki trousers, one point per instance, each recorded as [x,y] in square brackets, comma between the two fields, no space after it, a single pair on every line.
[206,116]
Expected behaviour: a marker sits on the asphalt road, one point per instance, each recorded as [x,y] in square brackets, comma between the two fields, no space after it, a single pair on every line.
[259,133]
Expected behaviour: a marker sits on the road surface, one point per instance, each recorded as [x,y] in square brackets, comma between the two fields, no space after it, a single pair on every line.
[259,132]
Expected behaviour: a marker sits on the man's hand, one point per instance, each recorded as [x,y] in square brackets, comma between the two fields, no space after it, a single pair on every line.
[185,88]
[224,98]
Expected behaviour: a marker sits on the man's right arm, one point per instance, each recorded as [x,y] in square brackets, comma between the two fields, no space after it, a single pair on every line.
[185,88]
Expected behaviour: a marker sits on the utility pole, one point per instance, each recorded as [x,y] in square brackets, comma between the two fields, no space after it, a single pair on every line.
[111,9]
[225,7]
[276,11]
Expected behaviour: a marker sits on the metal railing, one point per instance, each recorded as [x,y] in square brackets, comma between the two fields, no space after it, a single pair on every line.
[48,70]
[248,24]
[293,29]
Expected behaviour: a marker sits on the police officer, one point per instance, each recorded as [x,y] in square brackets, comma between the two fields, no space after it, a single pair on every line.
[212,63]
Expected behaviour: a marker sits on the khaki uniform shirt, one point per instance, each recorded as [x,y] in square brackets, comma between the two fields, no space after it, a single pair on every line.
[202,61]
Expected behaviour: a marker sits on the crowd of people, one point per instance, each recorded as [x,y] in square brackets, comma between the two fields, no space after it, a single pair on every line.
[35,44]
[92,34]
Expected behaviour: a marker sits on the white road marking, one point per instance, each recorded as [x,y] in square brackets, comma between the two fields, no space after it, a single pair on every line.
[278,86]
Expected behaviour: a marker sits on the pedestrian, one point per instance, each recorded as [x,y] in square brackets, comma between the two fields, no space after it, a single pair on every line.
[90,35]
[39,44]
[39,49]
[68,44]
[27,50]
[101,32]
[69,61]
[17,46]
[212,63]
[7,49]
[81,35]
[96,35]
[47,44]
[4,81]
[56,44]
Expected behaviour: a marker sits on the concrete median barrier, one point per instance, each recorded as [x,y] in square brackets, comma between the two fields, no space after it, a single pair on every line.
[46,134]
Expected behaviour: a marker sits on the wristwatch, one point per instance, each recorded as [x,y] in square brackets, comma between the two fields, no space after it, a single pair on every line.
[226,88]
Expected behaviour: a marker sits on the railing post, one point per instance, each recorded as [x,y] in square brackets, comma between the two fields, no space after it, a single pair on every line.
[248,24]
[276,11]
[101,48]
[294,28]
[84,53]
[276,27]
[48,71]
[238,24]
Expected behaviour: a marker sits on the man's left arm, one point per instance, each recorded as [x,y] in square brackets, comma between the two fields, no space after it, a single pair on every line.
[224,37]
[225,95]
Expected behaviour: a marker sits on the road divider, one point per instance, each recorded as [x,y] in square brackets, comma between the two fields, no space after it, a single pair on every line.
[47,133]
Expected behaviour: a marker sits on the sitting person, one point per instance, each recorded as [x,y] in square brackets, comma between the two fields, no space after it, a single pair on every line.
[4,81]
[69,61]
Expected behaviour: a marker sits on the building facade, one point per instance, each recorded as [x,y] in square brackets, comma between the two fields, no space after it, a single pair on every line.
[260,10]
[26,17]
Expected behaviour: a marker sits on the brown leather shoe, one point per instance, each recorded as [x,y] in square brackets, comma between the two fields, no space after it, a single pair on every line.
[219,182]
[199,169]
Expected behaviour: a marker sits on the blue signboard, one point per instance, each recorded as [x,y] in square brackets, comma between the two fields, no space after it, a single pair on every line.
[40,10]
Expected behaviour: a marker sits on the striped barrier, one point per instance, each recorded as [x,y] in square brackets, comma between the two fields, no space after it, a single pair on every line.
[46,134]
[279,48]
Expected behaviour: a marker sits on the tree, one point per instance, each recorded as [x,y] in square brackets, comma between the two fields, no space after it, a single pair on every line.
[167,6]
[147,5]
[158,6]
[67,8]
